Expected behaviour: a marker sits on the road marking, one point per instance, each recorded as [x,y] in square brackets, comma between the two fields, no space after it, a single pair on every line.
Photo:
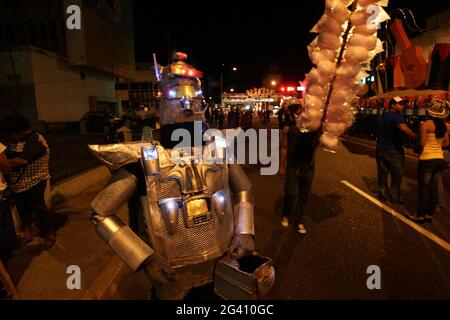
[401,217]
[374,147]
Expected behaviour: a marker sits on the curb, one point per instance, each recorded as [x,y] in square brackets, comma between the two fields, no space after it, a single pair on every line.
[75,185]
[69,188]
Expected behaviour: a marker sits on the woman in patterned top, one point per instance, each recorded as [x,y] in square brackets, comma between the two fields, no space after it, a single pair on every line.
[29,156]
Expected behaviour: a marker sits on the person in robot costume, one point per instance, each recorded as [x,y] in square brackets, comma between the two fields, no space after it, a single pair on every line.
[185,217]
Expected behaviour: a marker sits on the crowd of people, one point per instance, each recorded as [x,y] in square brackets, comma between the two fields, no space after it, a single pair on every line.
[24,166]
[298,150]
[432,143]
[233,117]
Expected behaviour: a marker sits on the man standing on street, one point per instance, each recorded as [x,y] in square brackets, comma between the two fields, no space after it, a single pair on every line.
[391,127]
[296,167]
[29,157]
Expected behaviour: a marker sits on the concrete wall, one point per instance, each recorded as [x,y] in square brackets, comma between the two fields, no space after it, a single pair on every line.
[62,93]
[48,88]
[17,93]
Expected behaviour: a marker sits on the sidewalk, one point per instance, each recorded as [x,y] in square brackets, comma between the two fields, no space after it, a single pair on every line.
[43,275]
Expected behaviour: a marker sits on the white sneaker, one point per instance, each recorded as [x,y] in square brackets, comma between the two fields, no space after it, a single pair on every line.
[285,222]
[301,229]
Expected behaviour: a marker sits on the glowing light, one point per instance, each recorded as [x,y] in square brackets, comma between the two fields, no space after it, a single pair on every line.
[198,93]
[170,205]
[274,83]
[221,198]
[172,93]
[301,88]
[232,90]
[234,69]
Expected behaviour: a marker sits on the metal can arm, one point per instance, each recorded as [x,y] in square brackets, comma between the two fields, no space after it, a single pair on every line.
[243,210]
[122,240]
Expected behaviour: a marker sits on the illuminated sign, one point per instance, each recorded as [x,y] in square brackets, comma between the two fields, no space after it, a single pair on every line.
[288,89]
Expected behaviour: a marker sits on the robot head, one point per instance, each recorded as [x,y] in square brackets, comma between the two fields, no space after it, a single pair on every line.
[181,101]
[181,92]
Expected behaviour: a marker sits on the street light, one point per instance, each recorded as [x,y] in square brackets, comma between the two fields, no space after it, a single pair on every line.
[221,82]
[273,83]
[231,90]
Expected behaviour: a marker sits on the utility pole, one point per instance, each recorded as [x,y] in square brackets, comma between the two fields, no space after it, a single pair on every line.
[169,54]
[221,86]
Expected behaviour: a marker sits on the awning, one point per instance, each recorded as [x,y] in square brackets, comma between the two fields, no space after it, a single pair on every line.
[410,92]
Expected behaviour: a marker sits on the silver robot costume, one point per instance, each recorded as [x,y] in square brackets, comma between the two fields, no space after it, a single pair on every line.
[185,208]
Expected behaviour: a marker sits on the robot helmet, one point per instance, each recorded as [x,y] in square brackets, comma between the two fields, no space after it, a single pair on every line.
[181,97]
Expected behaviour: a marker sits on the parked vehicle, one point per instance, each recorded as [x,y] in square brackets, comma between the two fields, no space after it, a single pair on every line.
[98,122]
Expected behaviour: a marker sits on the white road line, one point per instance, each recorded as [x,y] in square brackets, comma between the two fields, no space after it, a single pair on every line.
[401,217]
[374,147]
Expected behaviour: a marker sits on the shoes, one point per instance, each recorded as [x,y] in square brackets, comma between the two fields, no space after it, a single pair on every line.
[285,222]
[416,218]
[301,229]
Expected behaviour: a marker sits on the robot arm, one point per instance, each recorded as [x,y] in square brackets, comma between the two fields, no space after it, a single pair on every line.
[124,242]
[241,187]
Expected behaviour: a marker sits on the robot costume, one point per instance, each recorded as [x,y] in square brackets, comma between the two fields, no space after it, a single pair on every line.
[186,217]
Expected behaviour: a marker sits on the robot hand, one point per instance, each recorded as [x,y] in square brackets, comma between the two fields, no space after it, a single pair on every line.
[242,245]
[159,270]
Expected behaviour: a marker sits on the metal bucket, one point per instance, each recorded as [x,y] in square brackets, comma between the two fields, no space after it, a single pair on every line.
[248,278]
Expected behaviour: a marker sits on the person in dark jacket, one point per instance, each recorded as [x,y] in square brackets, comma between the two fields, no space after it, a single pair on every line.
[297,166]
[391,127]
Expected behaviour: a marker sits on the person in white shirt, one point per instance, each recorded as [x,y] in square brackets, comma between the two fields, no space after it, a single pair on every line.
[5,167]
[8,237]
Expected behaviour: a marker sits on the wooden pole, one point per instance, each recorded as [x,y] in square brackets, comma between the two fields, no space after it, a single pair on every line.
[338,64]
[8,283]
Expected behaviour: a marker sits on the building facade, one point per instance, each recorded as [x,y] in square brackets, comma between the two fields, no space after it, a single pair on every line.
[54,75]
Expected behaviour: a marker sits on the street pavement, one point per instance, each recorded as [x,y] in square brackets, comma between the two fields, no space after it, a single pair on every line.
[43,275]
[347,233]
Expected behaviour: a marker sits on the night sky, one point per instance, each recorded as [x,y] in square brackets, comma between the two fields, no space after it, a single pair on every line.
[257,37]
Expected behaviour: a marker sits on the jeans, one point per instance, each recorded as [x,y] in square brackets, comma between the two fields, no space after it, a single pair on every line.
[8,239]
[297,189]
[429,172]
[390,162]
[30,201]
